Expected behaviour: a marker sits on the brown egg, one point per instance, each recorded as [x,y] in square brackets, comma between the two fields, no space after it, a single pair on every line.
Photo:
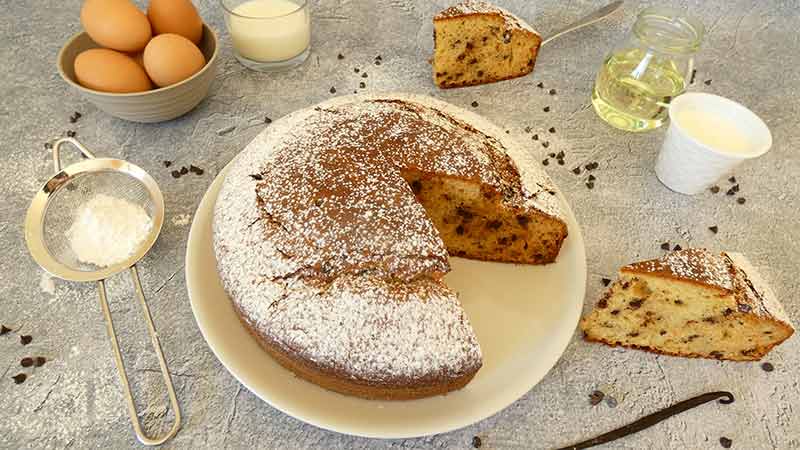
[107,70]
[116,24]
[175,16]
[170,58]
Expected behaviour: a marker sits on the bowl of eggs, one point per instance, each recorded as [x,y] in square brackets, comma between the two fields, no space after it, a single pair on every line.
[143,67]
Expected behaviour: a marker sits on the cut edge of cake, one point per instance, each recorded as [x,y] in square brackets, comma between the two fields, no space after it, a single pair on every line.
[691,303]
[500,46]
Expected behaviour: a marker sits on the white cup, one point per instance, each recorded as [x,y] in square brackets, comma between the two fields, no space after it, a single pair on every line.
[708,136]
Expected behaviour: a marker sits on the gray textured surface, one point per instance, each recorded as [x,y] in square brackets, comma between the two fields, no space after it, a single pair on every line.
[751,53]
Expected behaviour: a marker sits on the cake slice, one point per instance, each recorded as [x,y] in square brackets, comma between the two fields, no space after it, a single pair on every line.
[476,42]
[691,303]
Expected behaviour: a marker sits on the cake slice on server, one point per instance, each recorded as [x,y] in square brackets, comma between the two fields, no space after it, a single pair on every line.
[691,303]
[476,42]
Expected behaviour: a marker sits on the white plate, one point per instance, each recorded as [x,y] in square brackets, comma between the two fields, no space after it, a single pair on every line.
[524,317]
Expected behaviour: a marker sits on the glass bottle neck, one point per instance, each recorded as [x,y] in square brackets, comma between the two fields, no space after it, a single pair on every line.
[669,31]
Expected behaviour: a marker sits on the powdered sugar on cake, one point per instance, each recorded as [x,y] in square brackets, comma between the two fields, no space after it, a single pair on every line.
[350,279]
[481,7]
[695,264]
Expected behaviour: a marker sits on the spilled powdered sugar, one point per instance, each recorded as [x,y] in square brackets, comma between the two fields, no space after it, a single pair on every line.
[272,247]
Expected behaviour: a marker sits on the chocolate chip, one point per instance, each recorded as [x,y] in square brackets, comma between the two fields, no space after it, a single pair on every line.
[552,129]
[256,176]
[19,378]
[590,185]
[740,200]
[184,170]
[362,85]
[25,339]
[694,72]
[591,178]
[546,109]
[474,104]
[730,192]
[377,62]
[535,137]
[714,189]
[176,174]
[73,119]
[560,155]
[732,179]
[333,90]
[605,281]
[545,162]
[476,442]
[340,56]
[48,146]
[540,85]
[636,303]
[714,229]
[552,92]
[4,330]
[356,69]
[767,367]
[676,248]
[378,58]
[723,441]
[39,361]
[602,303]
[707,82]
[665,246]
[735,188]
[26,362]
[596,397]
[527,129]
[611,402]
[267,120]
[364,75]
[560,162]
[71,133]
[577,170]
[167,163]
[460,229]
[545,144]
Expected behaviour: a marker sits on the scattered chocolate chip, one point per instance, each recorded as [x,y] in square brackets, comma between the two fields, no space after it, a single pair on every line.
[723,441]
[364,75]
[545,144]
[256,176]
[590,185]
[665,246]
[356,69]
[577,170]
[605,281]
[378,58]
[377,62]
[552,129]
[676,248]
[527,129]
[267,120]
[39,361]
[714,189]
[507,131]
[166,163]
[474,104]
[73,119]
[740,200]
[552,155]
[611,402]
[25,339]
[476,442]
[540,85]
[560,155]
[535,137]
[596,397]
[333,90]
[71,133]
[48,146]
[362,85]
[545,162]
[26,362]
[694,72]
[735,188]
[714,229]
[707,82]
[560,162]
[4,330]
[19,378]
[552,92]
[176,174]
[730,192]
[196,170]
[732,179]
[340,56]
[184,170]
[767,367]
[546,109]
[355,91]
[591,178]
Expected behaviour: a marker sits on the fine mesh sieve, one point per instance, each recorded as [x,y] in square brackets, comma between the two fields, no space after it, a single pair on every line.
[54,211]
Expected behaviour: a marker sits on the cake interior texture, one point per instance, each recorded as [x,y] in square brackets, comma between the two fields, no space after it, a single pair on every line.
[474,223]
[478,48]
[680,318]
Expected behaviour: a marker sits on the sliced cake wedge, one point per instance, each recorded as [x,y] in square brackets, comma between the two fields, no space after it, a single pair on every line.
[476,42]
[691,303]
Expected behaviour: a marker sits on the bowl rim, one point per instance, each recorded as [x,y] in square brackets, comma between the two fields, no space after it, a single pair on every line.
[60,64]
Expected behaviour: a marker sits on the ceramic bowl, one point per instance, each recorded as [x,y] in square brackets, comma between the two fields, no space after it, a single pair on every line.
[156,105]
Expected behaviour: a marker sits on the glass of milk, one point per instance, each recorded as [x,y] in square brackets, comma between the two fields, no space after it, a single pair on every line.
[707,137]
[269,35]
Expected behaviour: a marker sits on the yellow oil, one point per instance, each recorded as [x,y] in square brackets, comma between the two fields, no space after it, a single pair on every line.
[633,89]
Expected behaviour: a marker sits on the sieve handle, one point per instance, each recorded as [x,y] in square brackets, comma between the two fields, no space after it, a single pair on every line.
[57,150]
[137,427]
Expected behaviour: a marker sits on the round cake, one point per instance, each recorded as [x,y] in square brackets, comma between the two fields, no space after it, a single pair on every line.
[332,232]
